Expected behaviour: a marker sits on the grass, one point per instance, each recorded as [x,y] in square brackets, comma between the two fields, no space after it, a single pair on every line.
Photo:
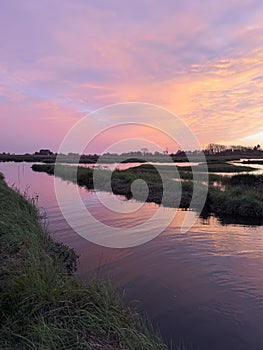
[122,180]
[238,195]
[237,200]
[253,181]
[43,305]
[242,196]
[258,161]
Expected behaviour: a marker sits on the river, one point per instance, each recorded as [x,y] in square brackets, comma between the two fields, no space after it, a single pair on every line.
[204,287]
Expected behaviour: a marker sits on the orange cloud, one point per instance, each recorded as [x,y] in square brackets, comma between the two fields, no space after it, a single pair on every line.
[201,60]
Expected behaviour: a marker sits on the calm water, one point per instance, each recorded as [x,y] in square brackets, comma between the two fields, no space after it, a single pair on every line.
[204,286]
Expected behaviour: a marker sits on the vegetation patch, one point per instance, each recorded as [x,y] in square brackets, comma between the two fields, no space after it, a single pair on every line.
[121,181]
[238,195]
[43,305]
[237,200]
[258,161]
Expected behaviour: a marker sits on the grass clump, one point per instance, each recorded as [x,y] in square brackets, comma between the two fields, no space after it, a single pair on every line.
[242,195]
[236,200]
[121,182]
[238,195]
[43,305]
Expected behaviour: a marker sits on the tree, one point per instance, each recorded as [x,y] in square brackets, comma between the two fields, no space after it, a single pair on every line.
[44,152]
[144,151]
[213,148]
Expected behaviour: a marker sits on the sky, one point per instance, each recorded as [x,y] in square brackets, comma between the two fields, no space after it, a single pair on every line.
[61,59]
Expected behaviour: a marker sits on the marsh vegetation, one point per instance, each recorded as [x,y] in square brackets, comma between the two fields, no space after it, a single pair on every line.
[43,305]
[238,195]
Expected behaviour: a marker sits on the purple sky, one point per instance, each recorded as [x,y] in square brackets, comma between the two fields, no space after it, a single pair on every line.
[202,60]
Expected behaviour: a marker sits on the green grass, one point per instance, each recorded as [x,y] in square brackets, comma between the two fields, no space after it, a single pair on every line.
[43,305]
[253,181]
[238,195]
[237,200]
[122,180]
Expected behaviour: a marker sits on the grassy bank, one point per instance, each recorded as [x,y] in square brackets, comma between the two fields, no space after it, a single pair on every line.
[125,158]
[122,180]
[43,305]
[252,161]
[236,201]
[239,195]
[242,196]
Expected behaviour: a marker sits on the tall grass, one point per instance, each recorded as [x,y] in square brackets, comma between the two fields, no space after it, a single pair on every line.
[237,200]
[43,305]
[121,181]
[238,195]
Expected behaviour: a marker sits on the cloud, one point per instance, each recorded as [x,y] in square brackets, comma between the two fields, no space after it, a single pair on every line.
[202,60]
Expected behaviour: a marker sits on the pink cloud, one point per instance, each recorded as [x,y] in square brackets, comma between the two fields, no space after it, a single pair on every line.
[201,60]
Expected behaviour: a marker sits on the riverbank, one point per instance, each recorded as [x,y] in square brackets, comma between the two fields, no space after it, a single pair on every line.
[239,196]
[43,305]
[121,182]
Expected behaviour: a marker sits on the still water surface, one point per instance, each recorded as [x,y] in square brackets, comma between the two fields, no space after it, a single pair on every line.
[204,286]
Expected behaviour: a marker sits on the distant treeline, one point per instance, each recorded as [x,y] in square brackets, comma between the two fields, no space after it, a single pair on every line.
[36,158]
[212,152]
[223,150]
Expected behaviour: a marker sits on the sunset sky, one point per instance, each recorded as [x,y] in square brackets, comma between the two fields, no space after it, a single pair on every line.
[60,59]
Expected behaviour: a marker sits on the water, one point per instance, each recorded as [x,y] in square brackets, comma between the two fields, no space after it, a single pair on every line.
[124,166]
[258,168]
[204,286]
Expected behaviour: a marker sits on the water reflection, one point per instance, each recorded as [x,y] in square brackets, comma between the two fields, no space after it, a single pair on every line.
[204,286]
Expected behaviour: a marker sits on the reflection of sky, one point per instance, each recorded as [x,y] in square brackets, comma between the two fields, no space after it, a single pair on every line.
[60,59]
